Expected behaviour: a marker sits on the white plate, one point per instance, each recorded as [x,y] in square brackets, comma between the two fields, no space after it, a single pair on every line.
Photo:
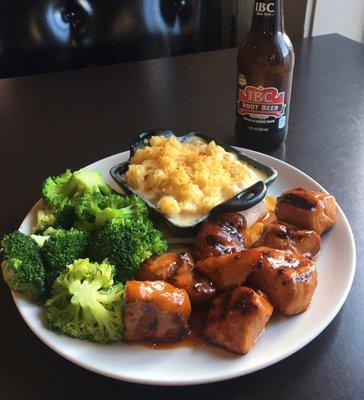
[194,365]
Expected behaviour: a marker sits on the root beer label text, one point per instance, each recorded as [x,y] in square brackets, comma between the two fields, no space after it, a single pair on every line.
[261,102]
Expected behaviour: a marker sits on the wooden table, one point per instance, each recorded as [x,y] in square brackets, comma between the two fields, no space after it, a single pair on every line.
[69,119]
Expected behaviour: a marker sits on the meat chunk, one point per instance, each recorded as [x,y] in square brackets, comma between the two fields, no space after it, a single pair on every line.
[222,234]
[229,270]
[288,237]
[288,279]
[307,209]
[155,312]
[237,318]
[178,270]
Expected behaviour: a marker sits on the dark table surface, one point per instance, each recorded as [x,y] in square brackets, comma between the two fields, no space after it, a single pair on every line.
[70,119]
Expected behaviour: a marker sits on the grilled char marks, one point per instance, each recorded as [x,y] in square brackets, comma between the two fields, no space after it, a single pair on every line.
[222,234]
[307,209]
[155,312]
[198,287]
[243,304]
[288,279]
[178,269]
[214,242]
[146,323]
[300,198]
[202,289]
[280,231]
[299,202]
[237,318]
[159,267]
[229,270]
[234,220]
[288,237]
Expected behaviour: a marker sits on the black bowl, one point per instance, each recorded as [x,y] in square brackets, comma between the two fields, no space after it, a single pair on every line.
[242,201]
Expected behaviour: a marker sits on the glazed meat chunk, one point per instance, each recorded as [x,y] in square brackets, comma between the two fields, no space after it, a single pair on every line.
[237,318]
[288,237]
[307,209]
[178,270]
[155,312]
[230,270]
[222,234]
[288,279]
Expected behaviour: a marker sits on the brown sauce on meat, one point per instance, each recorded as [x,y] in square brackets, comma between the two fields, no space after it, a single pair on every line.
[222,234]
[196,323]
[296,201]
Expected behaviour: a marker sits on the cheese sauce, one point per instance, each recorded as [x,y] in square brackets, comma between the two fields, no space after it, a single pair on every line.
[186,180]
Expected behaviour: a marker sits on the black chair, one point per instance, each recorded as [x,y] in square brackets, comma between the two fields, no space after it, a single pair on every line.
[48,35]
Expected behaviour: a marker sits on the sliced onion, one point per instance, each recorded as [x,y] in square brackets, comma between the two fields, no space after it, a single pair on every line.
[254,213]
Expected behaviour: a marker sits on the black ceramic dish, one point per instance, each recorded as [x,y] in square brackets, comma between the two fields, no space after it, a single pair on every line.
[242,201]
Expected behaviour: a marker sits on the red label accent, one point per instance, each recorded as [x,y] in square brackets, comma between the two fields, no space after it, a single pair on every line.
[261,101]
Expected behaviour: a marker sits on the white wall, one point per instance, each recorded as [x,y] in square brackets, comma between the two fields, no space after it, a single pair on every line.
[339,16]
[330,16]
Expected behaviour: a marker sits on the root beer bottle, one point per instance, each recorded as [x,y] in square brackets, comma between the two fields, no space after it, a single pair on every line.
[264,79]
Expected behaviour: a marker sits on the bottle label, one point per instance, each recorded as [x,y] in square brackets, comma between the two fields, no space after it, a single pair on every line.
[264,9]
[260,102]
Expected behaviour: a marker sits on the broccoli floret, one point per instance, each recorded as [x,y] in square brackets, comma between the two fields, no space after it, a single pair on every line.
[56,190]
[126,245]
[44,219]
[60,249]
[23,267]
[60,192]
[86,303]
[94,210]
[87,181]
[65,217]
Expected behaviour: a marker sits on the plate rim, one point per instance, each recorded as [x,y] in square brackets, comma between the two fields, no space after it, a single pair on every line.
[226,376]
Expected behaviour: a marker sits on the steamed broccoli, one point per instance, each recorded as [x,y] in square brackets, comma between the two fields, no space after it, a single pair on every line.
[44,219]
[23,267]
[126,244]
[94,210]
[60,192]
[56,190]
[65,217]
[62,248]
[86,303]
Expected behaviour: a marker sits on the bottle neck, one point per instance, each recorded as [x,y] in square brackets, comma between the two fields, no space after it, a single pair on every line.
[268,17]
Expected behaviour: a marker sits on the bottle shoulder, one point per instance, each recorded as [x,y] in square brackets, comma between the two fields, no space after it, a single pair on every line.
[264,50]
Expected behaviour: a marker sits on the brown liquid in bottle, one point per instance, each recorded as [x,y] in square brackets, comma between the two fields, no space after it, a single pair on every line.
[264,79]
